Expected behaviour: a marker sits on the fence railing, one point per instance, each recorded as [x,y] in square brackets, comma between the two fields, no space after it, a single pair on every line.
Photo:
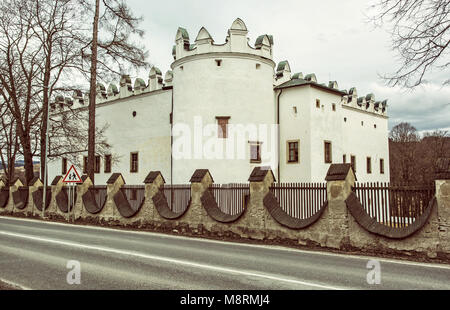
[178,196]
[394,205]
[300,200]
[135,195]
[231,198]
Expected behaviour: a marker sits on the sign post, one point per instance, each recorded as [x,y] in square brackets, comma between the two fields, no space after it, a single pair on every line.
[71,179]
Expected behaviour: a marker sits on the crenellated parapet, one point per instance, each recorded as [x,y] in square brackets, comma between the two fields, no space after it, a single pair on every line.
[236,41]
[283,79]
[114,91]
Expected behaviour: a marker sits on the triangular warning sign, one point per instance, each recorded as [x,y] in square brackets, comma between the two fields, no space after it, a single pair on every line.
[72,176]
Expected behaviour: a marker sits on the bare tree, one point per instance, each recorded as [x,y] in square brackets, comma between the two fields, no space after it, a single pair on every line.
[113,51]
[414,159]
[420,32]
[20,63]
[403,140]
[8,143]
[40,49]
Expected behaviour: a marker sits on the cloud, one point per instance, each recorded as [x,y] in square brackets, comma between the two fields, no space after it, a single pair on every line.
[426,108]
[330,38]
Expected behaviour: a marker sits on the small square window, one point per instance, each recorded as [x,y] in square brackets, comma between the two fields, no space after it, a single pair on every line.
[255,152]
[218,62]
[258,66]
[133,194]
[317,103]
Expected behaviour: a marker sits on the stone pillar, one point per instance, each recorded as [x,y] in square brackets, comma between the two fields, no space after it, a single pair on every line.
[11,209]
[340,180]
[196,215]
[153,182]
[443,204]
[80,211]
[33,187]
[253,223]
[113,185]
[56,185]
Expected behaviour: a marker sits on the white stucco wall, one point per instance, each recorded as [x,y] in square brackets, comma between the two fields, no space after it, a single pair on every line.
[313,126]
[235,89]
[148,133]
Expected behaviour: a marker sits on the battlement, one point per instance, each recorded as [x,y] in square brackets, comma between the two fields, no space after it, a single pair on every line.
[235,42]
[283,79]
[114,92]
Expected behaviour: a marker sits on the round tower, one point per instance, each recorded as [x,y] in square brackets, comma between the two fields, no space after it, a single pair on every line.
[215,85]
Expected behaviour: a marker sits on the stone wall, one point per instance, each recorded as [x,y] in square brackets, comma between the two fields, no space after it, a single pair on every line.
[336,228]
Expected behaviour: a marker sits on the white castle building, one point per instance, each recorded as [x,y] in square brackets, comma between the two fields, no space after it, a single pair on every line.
[228,108]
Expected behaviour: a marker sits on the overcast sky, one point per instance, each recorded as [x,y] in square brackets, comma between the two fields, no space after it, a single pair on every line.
[330,38]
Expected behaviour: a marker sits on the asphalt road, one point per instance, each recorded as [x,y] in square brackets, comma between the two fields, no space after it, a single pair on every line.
[35,255]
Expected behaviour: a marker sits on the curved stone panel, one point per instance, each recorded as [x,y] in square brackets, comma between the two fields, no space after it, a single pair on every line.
[362,218]
[94,200]
[62,200]
[161,205]
[279,215]
[37,198]
[20,197]
[213,210]
[126,209]
[4,197]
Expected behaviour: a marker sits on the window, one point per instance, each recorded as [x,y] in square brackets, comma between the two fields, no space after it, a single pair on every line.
[369,165]
[345,119]
[353,162]
[64,166]
[107,163]
[292,151]
[334,106]
[317,103]
[219,62]
[327,152]
[97,164]
[85,164]
[344,159]
[134,161]
[222,122]
[381,165]
[375,126]
[258,66]
[362,123]
[255,152]
[133,194]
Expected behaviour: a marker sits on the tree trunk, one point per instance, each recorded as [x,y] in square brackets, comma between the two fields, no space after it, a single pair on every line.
[92,95]
[44,116]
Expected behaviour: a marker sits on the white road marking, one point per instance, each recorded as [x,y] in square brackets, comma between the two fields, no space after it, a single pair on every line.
[237,244]
[19,286]
[172,260]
